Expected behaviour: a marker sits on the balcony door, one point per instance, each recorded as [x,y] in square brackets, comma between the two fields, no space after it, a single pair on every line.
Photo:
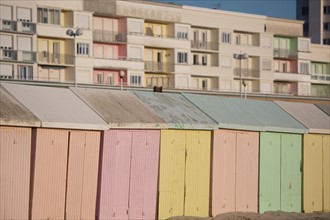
[56,52]
[159,60]
[44,49]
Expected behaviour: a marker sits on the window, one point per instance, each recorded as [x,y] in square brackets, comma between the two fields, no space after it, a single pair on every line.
[182,35]
[326,10]
[25,72]
[326,41]
[100,78]
[195,59]
[82,48]
[182,57]
[135,80]
[304,11]
[226,38]
[6,71]
[204,60]
[304,68]
[266,65]
[48,16]
[110,78]
[326,26]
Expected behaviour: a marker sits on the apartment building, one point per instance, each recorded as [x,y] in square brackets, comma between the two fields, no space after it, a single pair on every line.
[148,44]
[316,15]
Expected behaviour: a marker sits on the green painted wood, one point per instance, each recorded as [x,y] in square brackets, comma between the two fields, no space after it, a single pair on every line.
[269,172]
[291,153]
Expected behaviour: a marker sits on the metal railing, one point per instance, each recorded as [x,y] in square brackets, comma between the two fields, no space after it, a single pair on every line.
[8,25]
[320,77]
[285,53]
[204,45]
[24,26]
[109,36]
[51,58]
[28,27]
[246,73]
[8,54]
[152,66]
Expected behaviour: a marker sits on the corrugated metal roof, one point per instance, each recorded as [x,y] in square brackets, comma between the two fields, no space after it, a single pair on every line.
[120,108]
[324,107]
[309,115]
[175,110]
[246,114]
[14,113]
[56,107]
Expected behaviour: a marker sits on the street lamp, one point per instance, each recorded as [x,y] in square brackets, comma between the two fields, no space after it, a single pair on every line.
[73,34]
[121,75]
[240,56]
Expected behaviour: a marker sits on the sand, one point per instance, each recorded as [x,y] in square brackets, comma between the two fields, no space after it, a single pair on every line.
[271,215]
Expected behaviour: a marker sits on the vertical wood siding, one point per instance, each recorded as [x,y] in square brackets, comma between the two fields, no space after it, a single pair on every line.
[235,171]
[129,174]
[247,153]
[270,172]
[51,148]
[291,150]
[198,146]
[15,154]
[223,173]
[171,174]
[82,174]
[312,178]
[326,173]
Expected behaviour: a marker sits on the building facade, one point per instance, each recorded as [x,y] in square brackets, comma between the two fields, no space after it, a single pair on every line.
[316,15]
[149,44]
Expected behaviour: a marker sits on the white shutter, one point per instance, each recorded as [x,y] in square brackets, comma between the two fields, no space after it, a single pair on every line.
[135,27]
[6,70]
[304,45]
[225,61]
[24,14]
[82,21]
[24,43]
[266,64]
[135,52]
[97,23]
[5,12]
[6,41]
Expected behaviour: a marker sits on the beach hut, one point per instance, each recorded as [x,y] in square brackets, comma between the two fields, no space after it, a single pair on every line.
[316,154]
[184,166]
[16,124]
[128,172]
[64,159]
[254,126]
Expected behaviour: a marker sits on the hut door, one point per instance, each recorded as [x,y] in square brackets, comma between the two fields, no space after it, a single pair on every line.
[197,173]
[269,189]
[290,173]
[144,173]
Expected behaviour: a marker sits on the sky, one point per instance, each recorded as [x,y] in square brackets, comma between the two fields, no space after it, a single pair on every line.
[273,8]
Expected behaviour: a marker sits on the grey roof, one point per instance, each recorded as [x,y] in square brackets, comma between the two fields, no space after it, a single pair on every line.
[13,113]
[175,110]
[246,114]
[325,108]
[309,115]
[56,107]
[120,108]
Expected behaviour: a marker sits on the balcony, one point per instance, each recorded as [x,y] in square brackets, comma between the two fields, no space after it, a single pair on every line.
[246,73]
[118,62]
[57,59]
[18,55]
[156,67]
[204,45]
[321,77]
[109,36]
[18,26]
[285,53]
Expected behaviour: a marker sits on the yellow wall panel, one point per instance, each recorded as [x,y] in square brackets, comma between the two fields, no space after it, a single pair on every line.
[197,173]
[171,174]
[312,173]
[326,173]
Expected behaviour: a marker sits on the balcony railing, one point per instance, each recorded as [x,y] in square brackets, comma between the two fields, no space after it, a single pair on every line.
[24,26]
[8,25]
[320,77]
[18,55]
[152,66]
[246,73]
[285,53]
[51,58]
[8,54]
[203,45]
[109,36]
